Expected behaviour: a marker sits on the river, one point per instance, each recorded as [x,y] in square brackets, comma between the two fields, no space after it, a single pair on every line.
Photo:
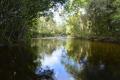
[69,59]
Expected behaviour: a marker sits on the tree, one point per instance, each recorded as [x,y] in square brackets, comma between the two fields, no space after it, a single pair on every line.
[17,17]
[101,13]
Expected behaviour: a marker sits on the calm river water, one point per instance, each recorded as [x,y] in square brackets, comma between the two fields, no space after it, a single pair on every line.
[69,59]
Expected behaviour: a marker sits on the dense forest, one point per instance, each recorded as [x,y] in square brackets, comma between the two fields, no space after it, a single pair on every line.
[22,20]
[17,18]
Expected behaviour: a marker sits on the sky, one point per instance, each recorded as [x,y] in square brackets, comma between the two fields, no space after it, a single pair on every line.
[54,62]
[60,17]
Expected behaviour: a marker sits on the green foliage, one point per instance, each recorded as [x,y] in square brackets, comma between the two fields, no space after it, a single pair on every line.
[102,18]
[21,20]
[77,25]
[17,17]
[46,26]
[74,5]
[73,27]
[102,15]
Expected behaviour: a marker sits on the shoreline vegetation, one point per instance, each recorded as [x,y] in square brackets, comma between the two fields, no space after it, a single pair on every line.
[93,38]
[84,19]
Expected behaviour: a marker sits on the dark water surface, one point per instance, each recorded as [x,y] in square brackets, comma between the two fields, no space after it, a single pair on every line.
[68,59]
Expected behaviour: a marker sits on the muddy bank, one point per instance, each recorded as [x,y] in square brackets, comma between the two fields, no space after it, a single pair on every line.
[101,39]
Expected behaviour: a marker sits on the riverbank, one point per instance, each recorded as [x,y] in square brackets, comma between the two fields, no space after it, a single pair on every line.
[92,38]
[101,39]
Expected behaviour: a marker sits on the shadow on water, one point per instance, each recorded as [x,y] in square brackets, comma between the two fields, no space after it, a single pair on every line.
[60,59]
[17,63]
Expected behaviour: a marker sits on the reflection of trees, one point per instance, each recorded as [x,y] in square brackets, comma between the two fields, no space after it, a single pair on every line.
[77,56]
[16,63]
[77,49]
[47,45]
[103,60]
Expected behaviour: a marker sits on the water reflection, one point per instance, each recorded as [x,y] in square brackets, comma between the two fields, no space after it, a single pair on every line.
[60,59]
[74,59]
[104,62]
[53,60]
